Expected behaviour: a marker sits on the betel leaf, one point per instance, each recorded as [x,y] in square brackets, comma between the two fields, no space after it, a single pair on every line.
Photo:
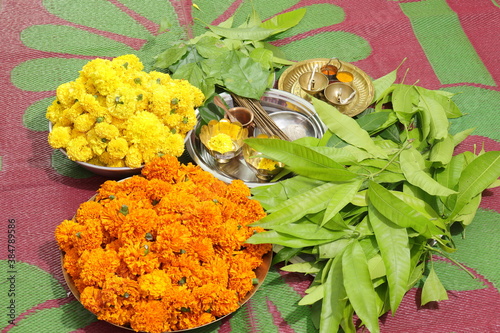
[433,289]
[395,251]
[263,57]
[399,212]
[334,298]
[284,21]
[210,47]
[359,287]
[171,55]
[413,165]
[346,128]
[244,76]
[475,178]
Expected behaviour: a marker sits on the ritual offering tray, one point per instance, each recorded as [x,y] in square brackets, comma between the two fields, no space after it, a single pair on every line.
[337,82]
[292,114]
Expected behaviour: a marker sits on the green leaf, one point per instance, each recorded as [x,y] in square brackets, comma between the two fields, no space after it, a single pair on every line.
[413,165]
[346,128]
[332,249]
[285,21]
[433,289]
[305,267]
[461,136]
[376,121]
[341,197]
[248,33]
[394,249]
[383,85]
[359,287]
[334,298]
[285,254]
[171,55]
[399,212]
[442,150]
[273,237]
[404,100]
[210,47]
[263,57]
[244,76]
[314,294]
[475,178]
[434,110]
[308,230]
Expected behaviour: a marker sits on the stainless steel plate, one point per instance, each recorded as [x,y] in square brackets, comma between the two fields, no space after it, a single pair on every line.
[291,113]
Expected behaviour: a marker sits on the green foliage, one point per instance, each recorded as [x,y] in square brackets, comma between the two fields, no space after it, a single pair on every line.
[238,59]
[368,200]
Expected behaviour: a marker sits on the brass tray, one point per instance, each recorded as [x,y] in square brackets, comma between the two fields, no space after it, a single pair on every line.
[362,83]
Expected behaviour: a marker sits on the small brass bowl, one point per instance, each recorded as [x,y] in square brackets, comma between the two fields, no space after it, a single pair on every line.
[223,139]
[265,169]
[313,82]
[339,93]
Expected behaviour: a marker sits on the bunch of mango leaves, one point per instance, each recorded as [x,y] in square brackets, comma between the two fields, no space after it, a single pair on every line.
[372,201]
[240,60]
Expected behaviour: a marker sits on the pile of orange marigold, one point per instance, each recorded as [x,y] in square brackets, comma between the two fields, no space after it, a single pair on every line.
[163,251]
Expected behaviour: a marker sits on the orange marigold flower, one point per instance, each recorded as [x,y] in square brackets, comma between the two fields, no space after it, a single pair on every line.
[96,264]
[139,258]
[91,299]
[151,316]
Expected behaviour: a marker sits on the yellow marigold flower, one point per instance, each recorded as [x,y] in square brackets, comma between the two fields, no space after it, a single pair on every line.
[267,164]
[59,136]
[84,122]
[78,149]
[106,131]
[221,143]
[173,145]
[54,111]
[68,93]
[117,148]
[121,103]
[90,104]
[71,113]
[130,62]
[144,128]
[106,159]
[134,157]
[97,144]
[160,99]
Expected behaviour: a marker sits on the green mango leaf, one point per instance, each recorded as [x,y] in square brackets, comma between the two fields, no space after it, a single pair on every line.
[475,178]
[294,155]
[469,211]
[413,165]
[394,249]
[285,254]
[285,21]
[244,76]
[308,230]
[399,212]
[244,33]
[332,249]
[434,110]
[325,174]
[346,128]
[314,294]
[461,136]
[450,107]
[308,202]
[358,286]
[305,267]
[334,298]
[273,237]
[376,121]
[384,85]
[404,101]
[341,197]
[433,289]
[347,155]
[442,150]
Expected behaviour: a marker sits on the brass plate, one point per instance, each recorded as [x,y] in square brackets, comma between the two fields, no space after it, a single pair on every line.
[362,83]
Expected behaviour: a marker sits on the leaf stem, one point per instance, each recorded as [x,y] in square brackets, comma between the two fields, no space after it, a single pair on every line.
[392,159]
[451,259]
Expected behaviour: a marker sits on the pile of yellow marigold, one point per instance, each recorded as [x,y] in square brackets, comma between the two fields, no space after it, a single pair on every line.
[115,114]
[163,251]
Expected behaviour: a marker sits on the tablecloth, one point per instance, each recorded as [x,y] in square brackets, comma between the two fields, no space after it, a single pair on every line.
[449,45]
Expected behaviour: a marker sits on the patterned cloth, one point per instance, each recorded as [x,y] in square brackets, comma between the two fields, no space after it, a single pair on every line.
[449,45]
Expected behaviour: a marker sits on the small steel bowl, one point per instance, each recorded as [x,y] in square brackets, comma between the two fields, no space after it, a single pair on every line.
[339,93]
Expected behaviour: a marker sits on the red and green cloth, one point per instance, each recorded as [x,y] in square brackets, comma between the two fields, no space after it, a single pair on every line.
[448,45]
